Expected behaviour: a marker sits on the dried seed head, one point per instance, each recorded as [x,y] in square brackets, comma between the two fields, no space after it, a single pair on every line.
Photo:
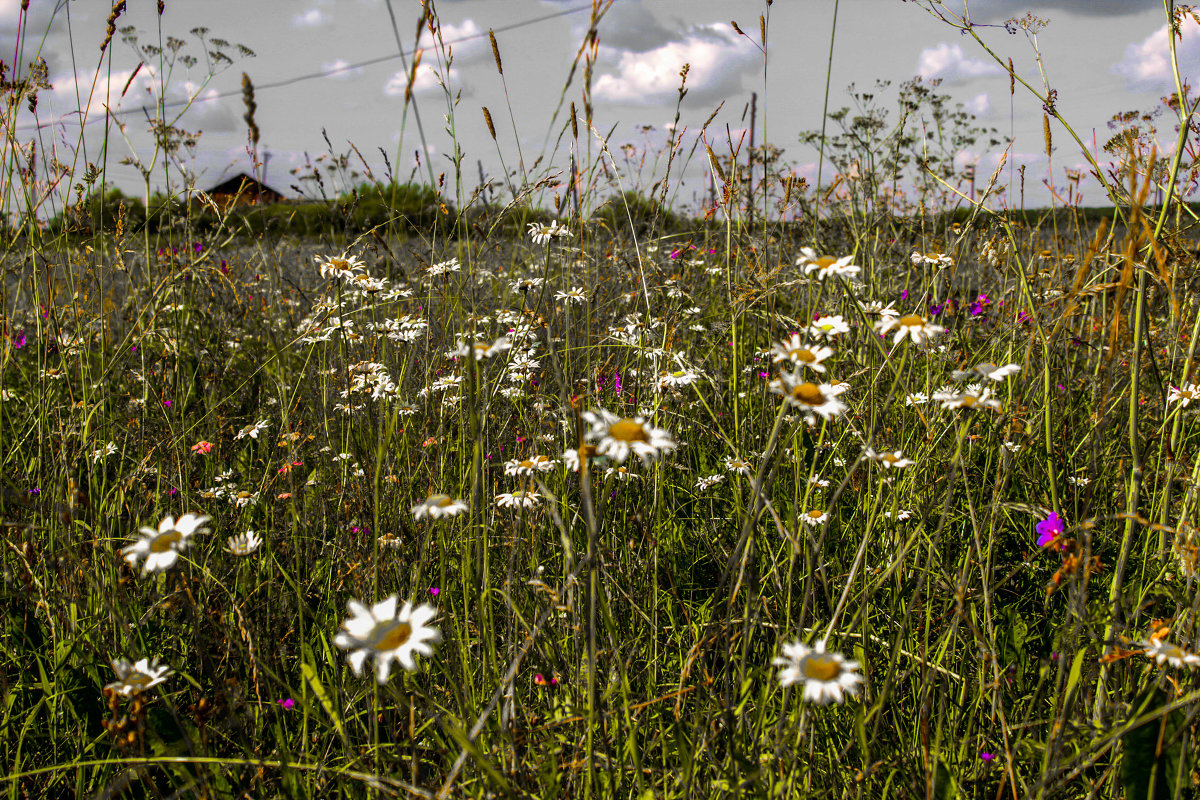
[487,117]
[496,54]
[574,121]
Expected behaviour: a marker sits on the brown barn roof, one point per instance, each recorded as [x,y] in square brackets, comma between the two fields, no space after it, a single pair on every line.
[250,189]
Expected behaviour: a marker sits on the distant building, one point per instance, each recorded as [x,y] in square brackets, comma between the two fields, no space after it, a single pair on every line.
[243,190]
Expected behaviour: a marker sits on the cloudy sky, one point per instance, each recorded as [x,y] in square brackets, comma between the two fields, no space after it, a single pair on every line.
[330,70]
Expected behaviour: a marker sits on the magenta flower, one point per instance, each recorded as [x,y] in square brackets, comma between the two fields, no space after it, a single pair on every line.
[287,704]
[1049,529]
[986,756]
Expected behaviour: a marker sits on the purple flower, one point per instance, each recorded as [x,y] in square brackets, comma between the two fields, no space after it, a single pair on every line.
[1049,529]
[986,756]
[19,340]
[433,590]
[287,704]
[904,295]
[617,383]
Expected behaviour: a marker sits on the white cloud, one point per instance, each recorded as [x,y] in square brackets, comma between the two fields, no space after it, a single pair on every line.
[1147,65]
[718,58]
[950,64]
[313,18]
[980,105]
[470,50]
[340,70]
[428,80]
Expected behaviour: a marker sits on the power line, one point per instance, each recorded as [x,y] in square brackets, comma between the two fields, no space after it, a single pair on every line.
[308,76]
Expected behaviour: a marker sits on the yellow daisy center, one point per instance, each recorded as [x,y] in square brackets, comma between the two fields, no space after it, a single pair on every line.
[803,354]
[389,634]
[809,394]
[137,679]
[821,667]
[825,261]
[526,464]
[439,500]
[911,321]
[816,513]
[890,458]
[165,541]
[969,400]
[628,430]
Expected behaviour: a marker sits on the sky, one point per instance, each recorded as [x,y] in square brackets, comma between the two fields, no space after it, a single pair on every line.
[330,82]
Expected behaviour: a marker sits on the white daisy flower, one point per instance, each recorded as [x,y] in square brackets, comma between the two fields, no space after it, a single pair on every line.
[938,260]
[252,430]
[738,465]
[437,506]
[103,452]
[620,473]
[827,677]
[343,267]
[800,354]
[244,543]
[972,398]
[876,308]
[901,514]
[137,677]
[574,295]
[381,632]
[572,458]
[894,459]
[916,399]
[444,267]
[814,517]
[829,327]
[529,466]
[482,350]
[160,548]
[542,234]
[914,326]
[824,266]
[812,398]
[703,484]
[616,437]
[986,370]
[1184,394]
[518,499]
[674,380]
[1165,652]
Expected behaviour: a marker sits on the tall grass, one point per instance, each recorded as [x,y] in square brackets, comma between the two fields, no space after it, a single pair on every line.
[1019,600]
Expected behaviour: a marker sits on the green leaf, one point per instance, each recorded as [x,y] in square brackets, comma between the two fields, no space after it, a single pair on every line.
[944,785]
[1152,752]
[314,682]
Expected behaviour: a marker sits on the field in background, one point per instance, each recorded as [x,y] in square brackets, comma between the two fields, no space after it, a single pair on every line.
[850,492]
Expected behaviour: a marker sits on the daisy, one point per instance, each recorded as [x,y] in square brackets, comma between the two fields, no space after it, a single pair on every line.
[894,459]
[244,543]
[103,452]
[482,350]
[986,370]
[814,517]
[381,632]
[705,483]
[343,266]
[682,377]
[162,547]
[518,499]
[135,678]
[914,326]
[901,515]
[572,458]
[620,473]
[810,397]
[574,295]
[738,465]
[829,327]
[616,437]
[939,260]
[542,234]
[252,430]
[827,677]
[973,397]
[801,354]
[1184,394]
[444,267]
[825,266]
[529,466]
[876,308]
[437,506]
[1165,652]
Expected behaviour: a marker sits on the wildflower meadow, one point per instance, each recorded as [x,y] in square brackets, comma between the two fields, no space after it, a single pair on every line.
[564,487]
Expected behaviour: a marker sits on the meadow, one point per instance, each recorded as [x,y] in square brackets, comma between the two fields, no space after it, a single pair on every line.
[837,491]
